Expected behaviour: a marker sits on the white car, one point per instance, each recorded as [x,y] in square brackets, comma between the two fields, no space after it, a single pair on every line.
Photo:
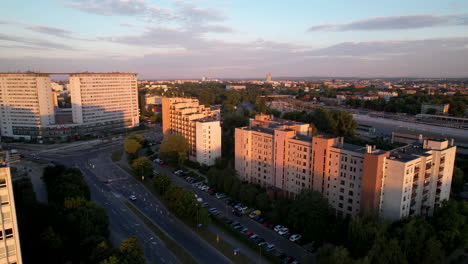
[278,228]
[178,172]
[283,231]
[157,160]
[132,197]
[295,237]
[270,247]
[205,188]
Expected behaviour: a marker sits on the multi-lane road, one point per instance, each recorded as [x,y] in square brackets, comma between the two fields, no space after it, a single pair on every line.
[97,168]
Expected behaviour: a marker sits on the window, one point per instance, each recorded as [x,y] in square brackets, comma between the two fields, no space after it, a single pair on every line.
[8,233]
[2,182]
[350,193]
[341,190]
[341,197]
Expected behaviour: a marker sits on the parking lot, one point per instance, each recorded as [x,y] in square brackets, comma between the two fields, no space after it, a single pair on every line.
[261,231]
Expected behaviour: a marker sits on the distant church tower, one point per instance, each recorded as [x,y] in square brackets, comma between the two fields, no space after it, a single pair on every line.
[268,77]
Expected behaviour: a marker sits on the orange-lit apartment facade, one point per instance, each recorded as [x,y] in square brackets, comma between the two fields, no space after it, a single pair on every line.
[198,124]
[406,181]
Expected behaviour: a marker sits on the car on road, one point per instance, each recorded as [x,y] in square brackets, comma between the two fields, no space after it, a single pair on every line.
[220,195]
[211,191]
[249,234]
[204,205]
[283,231]
[233,224]
[239,227]
[288,260]
[158,160]
[205,188]
[163,163]
[295,237]
[132,197]
[254,236]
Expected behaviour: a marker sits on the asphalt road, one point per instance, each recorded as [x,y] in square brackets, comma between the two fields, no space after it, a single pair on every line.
[98,168]
[122,222]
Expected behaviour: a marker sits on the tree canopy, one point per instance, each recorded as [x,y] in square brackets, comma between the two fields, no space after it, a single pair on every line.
[174,148]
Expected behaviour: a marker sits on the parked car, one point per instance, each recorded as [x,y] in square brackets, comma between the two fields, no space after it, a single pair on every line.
[288,260]
[286,235]
[163,163]
[178,172]
[211,191]
[158,160]
[204,205]
[220,195]
[205,188]
[278,228]
[233,224]
[213,211]
[254,236]
[269,224]
[283,231]
[239,227]
[228,222]
[155,172]
[255,213]
[295,237]
[269,247]
[257,240]
[249,234]
[237,212]
[132,197]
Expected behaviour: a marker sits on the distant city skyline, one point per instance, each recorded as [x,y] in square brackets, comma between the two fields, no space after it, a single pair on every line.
[176,39]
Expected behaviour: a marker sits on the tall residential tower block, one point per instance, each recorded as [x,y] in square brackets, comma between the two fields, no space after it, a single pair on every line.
[198,124]
[282,155]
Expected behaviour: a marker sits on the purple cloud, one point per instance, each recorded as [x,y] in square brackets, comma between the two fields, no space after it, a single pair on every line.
[395,23]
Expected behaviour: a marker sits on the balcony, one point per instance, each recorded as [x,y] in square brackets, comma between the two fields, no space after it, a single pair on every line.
[416,177]
[416,170]
[425,192]
[438,191]
[413,203]
[426,184]
[413,195]
[427,175]
[439,183]
[441,169]
[424,199]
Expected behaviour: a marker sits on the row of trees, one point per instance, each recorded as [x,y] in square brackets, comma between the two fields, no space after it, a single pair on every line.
[71,229]
[411,103]
[411,240]
[133,144]
[180,201]
[336,122]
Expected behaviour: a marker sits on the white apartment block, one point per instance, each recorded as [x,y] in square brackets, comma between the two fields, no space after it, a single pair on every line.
[104,98]
[282,155]
[10,250]
[26,104]
[101,102]
[199,125]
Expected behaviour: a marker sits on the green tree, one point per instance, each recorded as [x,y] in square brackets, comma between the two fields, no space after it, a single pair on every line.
[362,232]
[330,254]
[457,180]
[139,138]
[174,148]
[132,146]
[142,167]
[386,251]
[431,111]
[161,183]
[457,108]
[131,251]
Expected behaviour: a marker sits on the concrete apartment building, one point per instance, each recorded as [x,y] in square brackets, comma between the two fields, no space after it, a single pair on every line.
[100,102]
[10,250]
[282,154]
[26,103]
[104,99]
[198,124]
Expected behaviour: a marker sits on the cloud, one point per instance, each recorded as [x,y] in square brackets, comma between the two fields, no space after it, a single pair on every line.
[193,14]
[50,31]
[35,42]
[395,23]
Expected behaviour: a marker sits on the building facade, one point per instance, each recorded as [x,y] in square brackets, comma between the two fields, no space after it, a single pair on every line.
[26,104]
[283,154]
[10,250]
[199,125]
[101,102]
[104,98]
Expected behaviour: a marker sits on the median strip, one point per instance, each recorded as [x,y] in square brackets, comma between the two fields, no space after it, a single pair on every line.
[181,254]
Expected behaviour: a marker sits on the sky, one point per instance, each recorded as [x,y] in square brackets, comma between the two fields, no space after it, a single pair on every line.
[178,39]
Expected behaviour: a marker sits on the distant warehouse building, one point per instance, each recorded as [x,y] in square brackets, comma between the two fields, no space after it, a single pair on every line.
[282,155]
[199,125]
[440,109]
